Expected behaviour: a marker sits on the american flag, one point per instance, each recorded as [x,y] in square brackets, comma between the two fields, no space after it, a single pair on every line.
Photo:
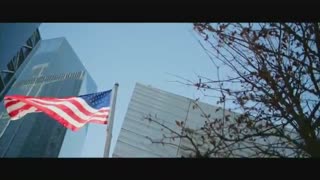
[71,112]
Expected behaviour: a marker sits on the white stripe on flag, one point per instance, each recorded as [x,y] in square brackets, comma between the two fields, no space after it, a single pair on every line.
[24,112]
[75,109]
[15,106]
[66,117]
[72,106]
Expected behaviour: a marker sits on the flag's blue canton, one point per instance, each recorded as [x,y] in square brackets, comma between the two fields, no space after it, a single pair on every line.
[98,100]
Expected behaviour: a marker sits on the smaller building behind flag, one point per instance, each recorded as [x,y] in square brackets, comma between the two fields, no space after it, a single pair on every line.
[71,112]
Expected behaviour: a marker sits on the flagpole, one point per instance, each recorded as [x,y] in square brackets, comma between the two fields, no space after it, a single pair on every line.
[110,120]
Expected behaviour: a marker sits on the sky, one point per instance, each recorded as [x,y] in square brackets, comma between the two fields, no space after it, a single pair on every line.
[127,53]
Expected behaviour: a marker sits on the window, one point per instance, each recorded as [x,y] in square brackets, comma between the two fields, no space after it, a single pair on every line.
[1,84]
[34,39]
[18,59]
[37,70]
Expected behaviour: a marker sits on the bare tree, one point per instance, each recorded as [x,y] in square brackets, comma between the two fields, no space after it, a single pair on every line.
[273,81]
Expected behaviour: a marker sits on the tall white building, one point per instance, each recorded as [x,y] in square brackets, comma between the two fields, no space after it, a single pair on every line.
[135,134]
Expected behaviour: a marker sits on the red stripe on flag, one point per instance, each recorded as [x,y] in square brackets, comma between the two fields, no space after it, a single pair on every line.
[67,110]
[72,101]
[10,103]
[17,111]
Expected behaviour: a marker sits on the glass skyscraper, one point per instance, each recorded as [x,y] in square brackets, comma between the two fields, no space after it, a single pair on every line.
[51,69]
[16,42]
